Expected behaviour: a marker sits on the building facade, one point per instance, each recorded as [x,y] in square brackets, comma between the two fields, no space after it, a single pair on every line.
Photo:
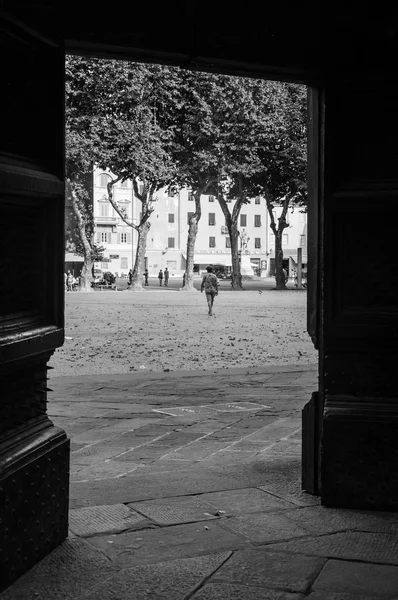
[167,237]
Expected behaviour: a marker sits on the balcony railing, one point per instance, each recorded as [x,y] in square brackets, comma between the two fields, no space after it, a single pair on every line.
[106,220]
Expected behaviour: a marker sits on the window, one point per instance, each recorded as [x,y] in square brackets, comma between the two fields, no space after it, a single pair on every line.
[212,242]
[257,242]
[228,242]
[172,265]
[257,220]
[243,220]
[123,184]
[189,216]
[224,229]
[123,238]
[170,193]
[104,237]
[104,266]
[285,239]
[104,207]
[123,262]
[303,217]
[104,178]
[190,196]
[257,200]
[212,218]
[211,198]
[171,242]
[302,240]
[171,217]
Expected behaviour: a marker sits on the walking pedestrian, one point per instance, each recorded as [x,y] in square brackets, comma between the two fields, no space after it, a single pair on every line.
[160,277]
[166,277]
[146,275]
[183,280]
[210,286]
[130,275]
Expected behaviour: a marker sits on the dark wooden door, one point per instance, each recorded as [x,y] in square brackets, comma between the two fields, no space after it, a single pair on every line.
[34,454]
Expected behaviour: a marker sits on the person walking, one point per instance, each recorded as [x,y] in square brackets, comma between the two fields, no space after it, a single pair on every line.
[210,286]
[146,275]
[166,277]
[160,277]
[130,276]
[183,280]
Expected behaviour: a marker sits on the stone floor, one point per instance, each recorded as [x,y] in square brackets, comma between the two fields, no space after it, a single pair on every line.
[187,485]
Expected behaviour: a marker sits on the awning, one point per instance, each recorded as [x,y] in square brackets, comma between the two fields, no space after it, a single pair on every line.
[70,257]
[213,259]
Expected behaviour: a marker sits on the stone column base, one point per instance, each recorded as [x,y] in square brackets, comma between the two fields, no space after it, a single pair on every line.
[34,484]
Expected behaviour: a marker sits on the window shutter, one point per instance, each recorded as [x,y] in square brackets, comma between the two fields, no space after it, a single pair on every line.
[129,238]
[109,238]
[98,237]
[118,238]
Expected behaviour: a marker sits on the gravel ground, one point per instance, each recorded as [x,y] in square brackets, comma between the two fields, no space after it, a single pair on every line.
[121,332]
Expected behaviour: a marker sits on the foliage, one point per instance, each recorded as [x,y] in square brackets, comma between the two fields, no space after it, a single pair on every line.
[121,111]
[109,278]
[164,127]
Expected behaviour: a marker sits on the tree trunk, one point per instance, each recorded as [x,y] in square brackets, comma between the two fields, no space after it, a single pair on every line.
[86,274]
[236,282]
[192,233]
[139,264]
[279,275]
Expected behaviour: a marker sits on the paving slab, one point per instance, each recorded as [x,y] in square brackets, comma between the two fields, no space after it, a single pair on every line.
[270,570]
[70,570]
[226,591]
[172,580]
[108,469]
[319,520]
[167,543]
[351,545]
[284,448]
[267,527]
[338,576]
[105,519]
[344,596]
[182,482]
[242,502]
[174,511]
[228,457]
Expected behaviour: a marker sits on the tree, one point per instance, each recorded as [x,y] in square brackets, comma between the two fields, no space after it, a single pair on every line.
[78,168]
[281,150]
[214,143]
[121,109]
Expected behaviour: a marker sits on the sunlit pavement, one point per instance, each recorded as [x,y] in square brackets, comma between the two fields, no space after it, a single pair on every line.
[188,485]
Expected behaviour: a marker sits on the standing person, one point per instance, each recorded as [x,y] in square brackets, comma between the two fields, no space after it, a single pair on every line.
[65,281]
[160,277]
[210,286]
[146,275]
[70,280]
[183,280]
[130,276]
[166,277]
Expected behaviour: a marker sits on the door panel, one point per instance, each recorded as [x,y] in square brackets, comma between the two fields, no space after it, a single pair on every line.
[34,454]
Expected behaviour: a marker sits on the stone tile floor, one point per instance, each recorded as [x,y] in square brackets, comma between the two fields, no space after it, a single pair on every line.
[188,485]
